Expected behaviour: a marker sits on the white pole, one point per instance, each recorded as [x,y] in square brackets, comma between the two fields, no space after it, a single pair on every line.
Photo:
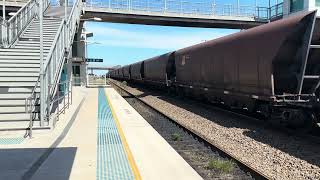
[42,80]
[66,10]
[165,5]
[238,7]
[256,7]
[85,58]
[4,9]
[3,25]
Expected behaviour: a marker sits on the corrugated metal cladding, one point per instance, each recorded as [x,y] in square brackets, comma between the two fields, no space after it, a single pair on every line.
[245,61]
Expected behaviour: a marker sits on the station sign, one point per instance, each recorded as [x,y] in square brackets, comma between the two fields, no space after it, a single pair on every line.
[93,60]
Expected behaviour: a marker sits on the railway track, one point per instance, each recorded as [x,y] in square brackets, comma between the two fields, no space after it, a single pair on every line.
[167,134]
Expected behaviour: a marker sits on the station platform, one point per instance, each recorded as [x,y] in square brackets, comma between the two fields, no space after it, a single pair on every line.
[101,137]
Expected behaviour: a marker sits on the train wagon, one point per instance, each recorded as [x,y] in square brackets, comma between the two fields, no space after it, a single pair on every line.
[156,69]
[267,69]
[126,72]
[259,69]
[137,71]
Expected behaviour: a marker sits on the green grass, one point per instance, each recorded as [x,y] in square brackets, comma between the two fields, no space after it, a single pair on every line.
[224,166]
[176,137]
[124,83]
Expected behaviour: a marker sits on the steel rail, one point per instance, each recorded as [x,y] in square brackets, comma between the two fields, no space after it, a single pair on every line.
[253,171]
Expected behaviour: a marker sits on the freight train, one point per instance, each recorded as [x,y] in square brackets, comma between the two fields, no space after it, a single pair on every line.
[272,69]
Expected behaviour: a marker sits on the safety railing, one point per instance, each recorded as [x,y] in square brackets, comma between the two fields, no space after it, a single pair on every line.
[175,7]
[31,108]
[78,81]
[274,12]
[12,28]
[188,8]
[96,81]
[60,101]
[54,61]
[56,56]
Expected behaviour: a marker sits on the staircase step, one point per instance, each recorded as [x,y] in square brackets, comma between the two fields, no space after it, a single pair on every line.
[49,19]
[45,25]
[15,61]
[18,79]
[47,32]
[6,103]
[11,96]
[19,74]
[18,69]
[34,37]
[20,50]
[37,36]
[17,84]
[9,118]
[36,28]
[28,90]
[20,65]
[32,34]
[20,53]
[5,57]
[32,42]
[16,109]
[46,47]
[34,46]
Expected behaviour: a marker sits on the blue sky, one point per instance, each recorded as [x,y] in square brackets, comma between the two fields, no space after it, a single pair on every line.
[121,44]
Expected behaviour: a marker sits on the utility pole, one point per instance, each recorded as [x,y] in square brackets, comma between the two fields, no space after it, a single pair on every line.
[42,80]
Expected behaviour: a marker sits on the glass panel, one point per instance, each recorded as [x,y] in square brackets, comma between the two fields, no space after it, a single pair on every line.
[296,5]
[318,3]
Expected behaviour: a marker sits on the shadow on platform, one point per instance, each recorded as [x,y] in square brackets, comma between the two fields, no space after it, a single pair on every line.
[37,163]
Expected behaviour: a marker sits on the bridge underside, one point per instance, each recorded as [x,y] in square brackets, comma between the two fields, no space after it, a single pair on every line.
[170,21]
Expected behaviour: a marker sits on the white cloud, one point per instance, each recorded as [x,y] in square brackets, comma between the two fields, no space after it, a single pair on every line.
[124,38]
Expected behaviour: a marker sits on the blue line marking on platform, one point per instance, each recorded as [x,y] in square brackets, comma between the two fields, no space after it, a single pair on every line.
[112,161]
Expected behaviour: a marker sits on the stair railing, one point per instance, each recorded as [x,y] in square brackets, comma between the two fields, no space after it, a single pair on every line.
[12,29]
[54,61]
[30,107]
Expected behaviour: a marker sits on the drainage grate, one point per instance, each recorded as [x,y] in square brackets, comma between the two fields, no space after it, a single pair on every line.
[6,141]
[112,161]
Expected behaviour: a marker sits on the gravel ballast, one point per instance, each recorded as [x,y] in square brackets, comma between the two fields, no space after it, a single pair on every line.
[274,153]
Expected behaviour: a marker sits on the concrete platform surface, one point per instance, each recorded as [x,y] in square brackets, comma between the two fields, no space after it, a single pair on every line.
[154,157]
[71,150]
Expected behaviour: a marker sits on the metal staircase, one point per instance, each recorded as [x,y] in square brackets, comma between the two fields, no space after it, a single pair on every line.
[19,71]
[21,86]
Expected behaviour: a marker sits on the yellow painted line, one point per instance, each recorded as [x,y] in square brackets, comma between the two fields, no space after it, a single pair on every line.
[131,160]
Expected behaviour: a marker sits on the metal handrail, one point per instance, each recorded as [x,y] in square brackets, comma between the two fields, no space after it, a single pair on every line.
[67,94]
[176,8]
[31,102]
[13,28]
[54,62]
